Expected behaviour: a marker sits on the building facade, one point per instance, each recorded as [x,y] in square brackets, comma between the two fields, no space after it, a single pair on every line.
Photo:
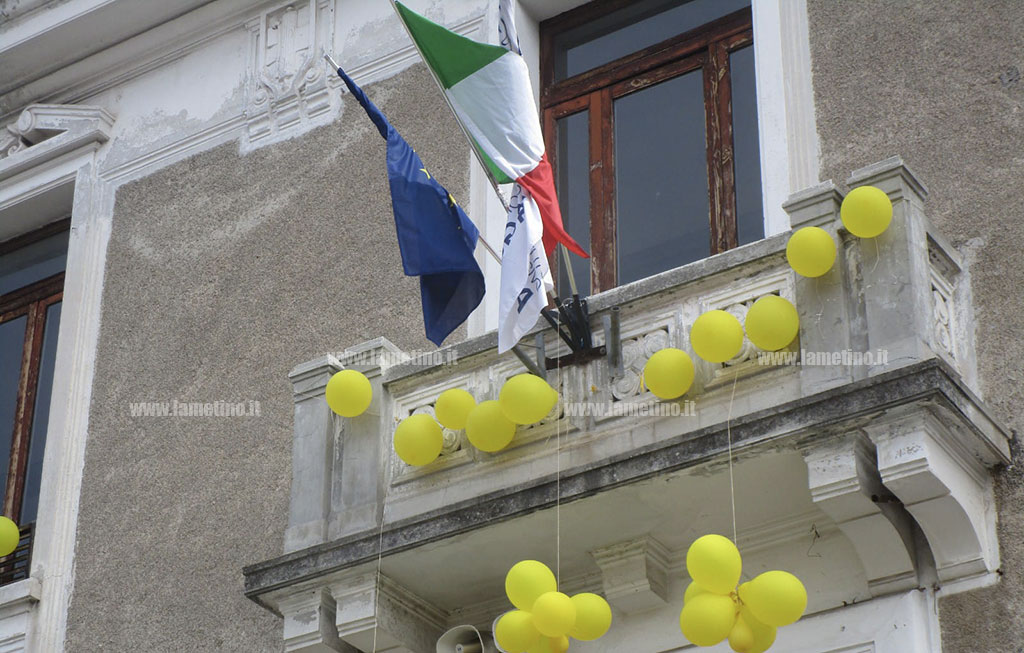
[196,232]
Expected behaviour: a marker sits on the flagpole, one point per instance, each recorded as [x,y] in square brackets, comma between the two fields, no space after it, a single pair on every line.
[483,241]
[475,149]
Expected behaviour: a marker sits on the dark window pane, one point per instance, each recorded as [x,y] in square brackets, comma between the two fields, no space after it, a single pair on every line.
[749,215]
[631,29]
[12,345]
[31,263]
[40,416]
[661,183]
[574,195]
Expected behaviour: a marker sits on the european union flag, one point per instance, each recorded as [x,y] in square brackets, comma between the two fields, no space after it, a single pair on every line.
[434,235]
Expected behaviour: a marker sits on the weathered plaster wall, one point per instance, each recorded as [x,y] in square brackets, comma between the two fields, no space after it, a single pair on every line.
[224,272]
[934,82]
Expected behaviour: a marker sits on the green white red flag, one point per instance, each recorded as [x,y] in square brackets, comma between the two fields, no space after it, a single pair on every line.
[489,88]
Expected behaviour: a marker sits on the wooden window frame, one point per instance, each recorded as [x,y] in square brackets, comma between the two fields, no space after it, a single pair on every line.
[706,47]
[32,302]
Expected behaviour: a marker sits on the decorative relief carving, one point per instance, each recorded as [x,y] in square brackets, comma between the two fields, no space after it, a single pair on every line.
[944,272]
[288,83]
[749,360]
[39,123]
[941,320]
[635,352]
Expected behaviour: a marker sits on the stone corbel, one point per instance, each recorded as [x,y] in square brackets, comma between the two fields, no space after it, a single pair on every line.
[309,623]
[945,487]
[845,483]
[376,613]
[634,574]
[46,131]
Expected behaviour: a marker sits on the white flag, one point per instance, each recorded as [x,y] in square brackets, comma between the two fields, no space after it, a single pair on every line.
[525,276]
[507,36]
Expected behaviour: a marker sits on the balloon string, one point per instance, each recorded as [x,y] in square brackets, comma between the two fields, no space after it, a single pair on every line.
[728,435]
[380,560]
[558,472]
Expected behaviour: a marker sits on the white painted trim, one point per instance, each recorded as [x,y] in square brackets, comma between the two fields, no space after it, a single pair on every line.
[57,523]
[785,106]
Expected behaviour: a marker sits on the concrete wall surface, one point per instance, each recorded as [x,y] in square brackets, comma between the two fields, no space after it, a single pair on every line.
[223,272]
[939,84]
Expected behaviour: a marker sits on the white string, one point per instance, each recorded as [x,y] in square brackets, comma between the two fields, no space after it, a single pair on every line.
[728,434]
[558,468]
[380,559]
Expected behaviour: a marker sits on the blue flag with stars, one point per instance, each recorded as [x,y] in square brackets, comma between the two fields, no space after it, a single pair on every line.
[435,236]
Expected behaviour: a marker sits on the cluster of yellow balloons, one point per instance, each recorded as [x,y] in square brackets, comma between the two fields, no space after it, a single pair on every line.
[546,618]
[715,610]
[10,535]
[490,425]
[771,324]
[349,393]
[865,212]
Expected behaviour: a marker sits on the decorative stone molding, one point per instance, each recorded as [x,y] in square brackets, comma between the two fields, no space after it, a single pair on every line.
[736,300]
[334,484]
[634,574]
[309,623]
[375,610]
[45,131]
[288,84]
[944,486]
[845,483]
[897,299]
[16,602]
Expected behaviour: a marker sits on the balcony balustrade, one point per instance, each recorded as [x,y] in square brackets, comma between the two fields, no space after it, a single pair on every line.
[860,457]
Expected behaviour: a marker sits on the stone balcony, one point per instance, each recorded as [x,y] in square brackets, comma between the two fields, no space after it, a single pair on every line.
[867,477]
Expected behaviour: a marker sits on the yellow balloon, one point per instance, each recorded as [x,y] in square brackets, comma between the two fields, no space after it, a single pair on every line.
[515,632]
[741,637]
[669,373]
[550,645]
[554,614]
[487,427]
[714,562]
[527,399]
[866,211]
[10,535]
[764,635]
[775,598]
[692,590]
[716,336]
[593,617]
[772,323]
[453,407]
[811,251]
[348,393]
[418,440]
[707,619]
[526,581]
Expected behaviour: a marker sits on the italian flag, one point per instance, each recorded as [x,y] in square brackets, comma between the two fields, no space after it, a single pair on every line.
[489,88]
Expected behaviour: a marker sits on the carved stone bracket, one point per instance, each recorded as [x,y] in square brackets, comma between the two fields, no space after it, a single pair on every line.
[373,609]
[944,486]
[634,574]
[845,483]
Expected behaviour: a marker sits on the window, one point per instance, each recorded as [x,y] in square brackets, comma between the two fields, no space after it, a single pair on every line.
[650,116]
[31,289]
